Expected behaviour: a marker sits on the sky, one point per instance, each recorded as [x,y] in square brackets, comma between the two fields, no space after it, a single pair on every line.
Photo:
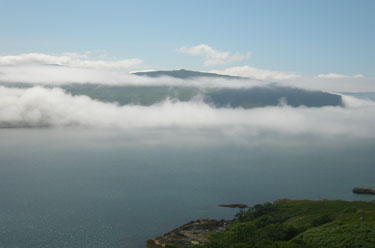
[296,37]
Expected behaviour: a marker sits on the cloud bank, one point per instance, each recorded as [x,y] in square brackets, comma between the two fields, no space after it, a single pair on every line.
[68,59]
[345,84]
[68,68]
[256,73]
[41,107]
[335,75]
[60,75]
[212,56]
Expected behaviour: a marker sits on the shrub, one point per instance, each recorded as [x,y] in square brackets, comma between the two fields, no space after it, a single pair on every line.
[321,220]
[255,212]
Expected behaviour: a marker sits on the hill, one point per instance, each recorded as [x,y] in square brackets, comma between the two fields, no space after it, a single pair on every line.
[184,74]
[218,97]
[295,224]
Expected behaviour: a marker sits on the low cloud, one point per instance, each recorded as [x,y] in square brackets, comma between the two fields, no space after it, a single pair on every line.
[213,57]
[60,75]
[39,107]
[332,84]
[256,73]
[334,75]
[68,59]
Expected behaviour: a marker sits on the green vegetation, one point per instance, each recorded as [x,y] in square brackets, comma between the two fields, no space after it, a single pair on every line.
[300,223]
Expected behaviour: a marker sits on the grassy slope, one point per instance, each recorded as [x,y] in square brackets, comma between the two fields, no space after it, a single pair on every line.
[346,228]
[301,223]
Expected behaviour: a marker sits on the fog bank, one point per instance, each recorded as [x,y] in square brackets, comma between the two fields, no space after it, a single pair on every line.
[45,107]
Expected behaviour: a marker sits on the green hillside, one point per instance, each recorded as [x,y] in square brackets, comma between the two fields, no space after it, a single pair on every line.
[300,223]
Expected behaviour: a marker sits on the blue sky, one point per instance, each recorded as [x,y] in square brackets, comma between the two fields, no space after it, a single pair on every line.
[306,37]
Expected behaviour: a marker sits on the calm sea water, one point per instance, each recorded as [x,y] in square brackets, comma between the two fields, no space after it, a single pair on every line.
[90,188]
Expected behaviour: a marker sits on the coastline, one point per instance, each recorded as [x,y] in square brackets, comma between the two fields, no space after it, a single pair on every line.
[303,217]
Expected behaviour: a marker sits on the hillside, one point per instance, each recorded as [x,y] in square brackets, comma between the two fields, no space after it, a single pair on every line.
[184,74]
[297,223]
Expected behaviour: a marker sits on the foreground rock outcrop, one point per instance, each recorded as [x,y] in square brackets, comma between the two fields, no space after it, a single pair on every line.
[192,233]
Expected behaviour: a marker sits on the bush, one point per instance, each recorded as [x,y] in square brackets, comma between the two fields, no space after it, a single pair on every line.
[278,232]
[255,212]
[269,219]
[321,220]
[241,232]
[350,210]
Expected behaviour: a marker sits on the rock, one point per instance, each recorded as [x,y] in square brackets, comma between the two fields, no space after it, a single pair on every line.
[192,233]
[364,190]
[240,205]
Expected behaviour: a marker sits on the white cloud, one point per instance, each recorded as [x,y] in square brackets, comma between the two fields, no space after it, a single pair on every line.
[334,75]
[67,59]
[59,75]
[333,84]
[260,74]
[212,56]
[353,102]
[329,82]
[37,106]
[36,68]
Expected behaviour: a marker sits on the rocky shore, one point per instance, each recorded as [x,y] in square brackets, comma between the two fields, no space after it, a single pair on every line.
[364,190]
[192,233]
